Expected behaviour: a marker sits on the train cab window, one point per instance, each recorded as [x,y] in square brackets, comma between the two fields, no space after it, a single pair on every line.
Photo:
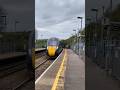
[52,42]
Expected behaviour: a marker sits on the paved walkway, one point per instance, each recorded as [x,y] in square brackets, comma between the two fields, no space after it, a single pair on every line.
[97,79]
[75,72]
[46,80]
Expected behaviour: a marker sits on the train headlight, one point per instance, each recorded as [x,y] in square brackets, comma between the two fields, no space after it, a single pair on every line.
[56,47]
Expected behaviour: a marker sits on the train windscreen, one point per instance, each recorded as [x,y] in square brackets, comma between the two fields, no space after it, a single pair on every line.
[53,42]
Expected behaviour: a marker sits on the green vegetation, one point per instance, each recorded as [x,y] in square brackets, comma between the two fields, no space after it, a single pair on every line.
[101,30]
[115,15]
[68,43]
[14,40]
[40,43]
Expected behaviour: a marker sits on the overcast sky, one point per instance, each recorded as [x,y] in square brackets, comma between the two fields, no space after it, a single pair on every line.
[21,11]
[58,18]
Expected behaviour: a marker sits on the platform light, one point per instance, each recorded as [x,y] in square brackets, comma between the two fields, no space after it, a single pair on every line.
[81,18]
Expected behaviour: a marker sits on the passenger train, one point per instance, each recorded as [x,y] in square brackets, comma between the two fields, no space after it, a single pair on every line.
[53,47]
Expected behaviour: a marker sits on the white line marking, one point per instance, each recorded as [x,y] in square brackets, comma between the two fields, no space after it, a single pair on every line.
[47,69]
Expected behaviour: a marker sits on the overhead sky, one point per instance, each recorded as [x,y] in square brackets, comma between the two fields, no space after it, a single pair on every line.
[90,4]
[21,11]
[58,18]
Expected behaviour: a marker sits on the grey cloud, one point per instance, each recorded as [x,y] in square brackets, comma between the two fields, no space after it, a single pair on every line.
[51,12]
[20,10]
[98,4]
[58,18]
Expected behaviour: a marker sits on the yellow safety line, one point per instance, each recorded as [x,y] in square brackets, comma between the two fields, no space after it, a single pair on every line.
[59,72]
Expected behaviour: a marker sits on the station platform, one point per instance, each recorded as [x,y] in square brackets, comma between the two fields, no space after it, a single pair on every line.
[67,72]
[39,49]
[11,55]
[97,78]
[75,72]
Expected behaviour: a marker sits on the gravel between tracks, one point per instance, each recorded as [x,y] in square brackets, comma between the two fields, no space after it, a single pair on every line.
[41,64]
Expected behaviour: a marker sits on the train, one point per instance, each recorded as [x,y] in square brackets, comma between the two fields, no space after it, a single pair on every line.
[54,47]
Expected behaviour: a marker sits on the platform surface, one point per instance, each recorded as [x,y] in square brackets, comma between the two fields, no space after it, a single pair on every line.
[11,55]
[97,78]
[45,81]
[39,49]
[75,72]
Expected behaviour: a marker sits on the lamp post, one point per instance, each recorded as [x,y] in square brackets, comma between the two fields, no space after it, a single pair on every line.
[111,5]
[96,15]
[96,11]
[102,28]
[41,40]
[89,21]
[79,33]
[15,25]
[81,21]
[72,41]
[75,36]
[89,36]
[108,38]
[4,21]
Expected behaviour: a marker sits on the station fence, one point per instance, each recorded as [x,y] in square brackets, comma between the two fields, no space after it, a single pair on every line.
[105,51]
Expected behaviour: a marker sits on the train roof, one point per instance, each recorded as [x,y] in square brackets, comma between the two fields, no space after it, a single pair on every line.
[53,38]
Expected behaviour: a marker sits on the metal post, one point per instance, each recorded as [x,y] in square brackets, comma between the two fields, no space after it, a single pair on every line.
[78,33]
[102,29]
[75,39]
[4,19]
[4,22]
[15,25]
[79,42]
[111,5]
[41,40]
[89,38]
[96,11]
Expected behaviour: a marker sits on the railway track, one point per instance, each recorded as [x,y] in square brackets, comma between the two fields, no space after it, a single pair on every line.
[6,71]
[25,84]
[8,68]
[13,72]
[40,60]
[28,82]
[17,80]
[15,76]
[39,54]
[41,64]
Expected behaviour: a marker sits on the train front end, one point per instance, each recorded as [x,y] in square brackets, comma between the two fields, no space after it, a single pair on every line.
[52,46]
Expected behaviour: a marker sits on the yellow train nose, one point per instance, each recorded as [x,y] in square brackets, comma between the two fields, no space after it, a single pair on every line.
[51,50]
